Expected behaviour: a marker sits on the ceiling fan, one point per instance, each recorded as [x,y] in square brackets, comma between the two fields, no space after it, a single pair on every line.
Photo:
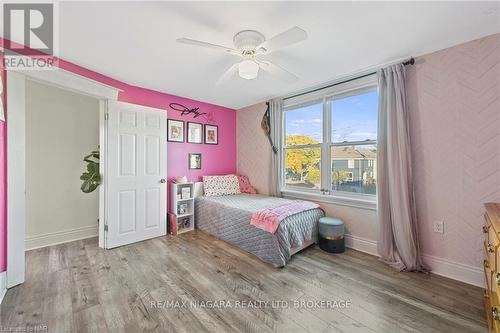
[251,45]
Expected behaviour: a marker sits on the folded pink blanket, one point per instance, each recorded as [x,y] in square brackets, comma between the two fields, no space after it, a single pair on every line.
[269,219]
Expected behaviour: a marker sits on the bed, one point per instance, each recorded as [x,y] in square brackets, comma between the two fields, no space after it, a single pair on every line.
[228,218]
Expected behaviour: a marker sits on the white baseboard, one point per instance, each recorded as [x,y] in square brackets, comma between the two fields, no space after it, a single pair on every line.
[439,266]
[454,270]
[361,244]
[3,285]
[54,238]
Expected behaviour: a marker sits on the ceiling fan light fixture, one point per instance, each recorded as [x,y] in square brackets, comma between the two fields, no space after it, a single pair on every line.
[251,45]
[248,69]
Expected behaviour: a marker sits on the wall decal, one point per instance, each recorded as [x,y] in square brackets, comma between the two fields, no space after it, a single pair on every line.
[185,110]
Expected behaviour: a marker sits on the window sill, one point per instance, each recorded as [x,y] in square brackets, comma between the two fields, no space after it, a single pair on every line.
[330,199]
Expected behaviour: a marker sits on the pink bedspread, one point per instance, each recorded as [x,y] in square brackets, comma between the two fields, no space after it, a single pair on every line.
[269,219]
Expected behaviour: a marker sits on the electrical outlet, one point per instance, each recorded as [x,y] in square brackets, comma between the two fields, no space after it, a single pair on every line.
[439,226]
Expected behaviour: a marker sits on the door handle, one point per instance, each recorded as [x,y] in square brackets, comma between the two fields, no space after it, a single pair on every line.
[163,180]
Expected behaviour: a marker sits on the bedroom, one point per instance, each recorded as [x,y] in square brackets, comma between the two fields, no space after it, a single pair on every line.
[370,132]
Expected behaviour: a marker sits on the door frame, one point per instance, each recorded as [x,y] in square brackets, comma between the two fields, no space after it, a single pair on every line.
[103,164]
[16,153]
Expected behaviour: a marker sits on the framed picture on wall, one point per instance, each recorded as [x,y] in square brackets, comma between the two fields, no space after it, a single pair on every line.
[194,132]
[175,130]
[195,161]
[211,134]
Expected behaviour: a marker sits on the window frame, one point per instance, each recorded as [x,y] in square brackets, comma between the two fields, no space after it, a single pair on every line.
[351,177]
[285,147]
[326,96]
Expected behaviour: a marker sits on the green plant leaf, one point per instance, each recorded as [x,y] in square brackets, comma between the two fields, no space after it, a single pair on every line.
[93,167]
[92,178]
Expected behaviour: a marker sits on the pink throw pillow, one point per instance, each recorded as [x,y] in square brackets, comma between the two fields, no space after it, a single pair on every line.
[245,186]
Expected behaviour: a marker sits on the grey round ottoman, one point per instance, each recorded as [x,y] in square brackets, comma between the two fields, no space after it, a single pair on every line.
[331,234]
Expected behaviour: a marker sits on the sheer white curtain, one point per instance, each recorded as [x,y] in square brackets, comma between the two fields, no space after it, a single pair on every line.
[276,121]
[398,235]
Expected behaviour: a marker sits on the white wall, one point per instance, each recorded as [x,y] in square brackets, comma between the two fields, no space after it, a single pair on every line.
[61,128]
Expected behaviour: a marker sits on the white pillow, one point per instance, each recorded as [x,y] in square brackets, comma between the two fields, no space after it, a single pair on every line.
[221,185]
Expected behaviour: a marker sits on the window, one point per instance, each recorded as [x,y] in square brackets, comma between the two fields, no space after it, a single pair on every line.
[354,135]
[362,179]
[330,142]
[304,135]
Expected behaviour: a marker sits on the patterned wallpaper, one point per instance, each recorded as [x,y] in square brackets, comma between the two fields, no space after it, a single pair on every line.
[454,100]
[254,151]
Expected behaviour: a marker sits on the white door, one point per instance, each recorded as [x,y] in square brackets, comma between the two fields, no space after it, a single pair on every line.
[136,174]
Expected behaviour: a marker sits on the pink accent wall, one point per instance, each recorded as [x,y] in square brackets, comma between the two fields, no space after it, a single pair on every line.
[216,159]
[3,178]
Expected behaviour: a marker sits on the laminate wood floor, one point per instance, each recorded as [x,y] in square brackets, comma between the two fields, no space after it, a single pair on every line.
[196,283]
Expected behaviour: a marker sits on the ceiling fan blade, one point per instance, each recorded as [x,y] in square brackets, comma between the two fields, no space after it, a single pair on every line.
[278,71]
[288,37]
[228,74]
[208,45]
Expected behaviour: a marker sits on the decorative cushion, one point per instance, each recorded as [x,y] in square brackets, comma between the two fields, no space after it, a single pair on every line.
[245,186]
[221,185]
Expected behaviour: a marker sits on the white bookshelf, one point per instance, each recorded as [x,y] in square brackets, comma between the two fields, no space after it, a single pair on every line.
[182,206]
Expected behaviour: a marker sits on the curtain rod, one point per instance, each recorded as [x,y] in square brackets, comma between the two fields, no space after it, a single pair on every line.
[410,61]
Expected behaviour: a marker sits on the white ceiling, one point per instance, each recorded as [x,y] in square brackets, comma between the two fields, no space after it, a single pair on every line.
[135,42]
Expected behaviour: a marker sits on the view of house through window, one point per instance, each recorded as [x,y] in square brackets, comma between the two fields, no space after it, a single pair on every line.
[349,145]
[361,176]
[354,149]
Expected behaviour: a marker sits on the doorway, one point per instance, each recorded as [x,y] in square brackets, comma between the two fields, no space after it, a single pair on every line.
[132,146]
[18,84]
[61,128]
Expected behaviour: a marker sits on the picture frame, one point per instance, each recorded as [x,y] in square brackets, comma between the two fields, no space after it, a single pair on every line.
[175,130]
[194,132]
[194,161]
[182,209]
[211,134]
[186,193]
